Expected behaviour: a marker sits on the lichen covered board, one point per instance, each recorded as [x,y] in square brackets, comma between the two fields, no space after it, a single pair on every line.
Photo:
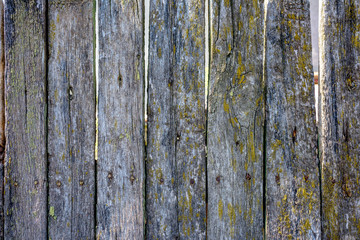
[176,185]
[25,192]
[292,166]
[339,118]
[235,121]
[71,120]
[120,163]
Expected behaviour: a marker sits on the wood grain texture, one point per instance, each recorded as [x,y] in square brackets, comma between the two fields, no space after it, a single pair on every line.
[120,175]
[292,166]
[2,117]
[25,85]
[339,118]
[235,125]
[176,183]
[71,100]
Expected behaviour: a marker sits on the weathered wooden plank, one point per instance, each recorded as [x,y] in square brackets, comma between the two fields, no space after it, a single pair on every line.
[120,175]
[235,125]
[176,183]
[292,166]
[339,118]
[71,100]
[25,86]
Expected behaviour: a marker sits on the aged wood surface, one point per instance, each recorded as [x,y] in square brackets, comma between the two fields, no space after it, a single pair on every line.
[176,185]
[25,85]
[2,117]
[339,118]
[292,166]
[120,170]
[71,101]
[235,125]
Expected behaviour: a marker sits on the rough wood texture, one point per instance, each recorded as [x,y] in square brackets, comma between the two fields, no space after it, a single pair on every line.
[176,185]
[339,118]
[25,160]
[235,125]
[292,173]
[2,117]
[71,141]
[120,175]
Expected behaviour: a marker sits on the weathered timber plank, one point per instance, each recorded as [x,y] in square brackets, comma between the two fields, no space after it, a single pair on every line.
[25,86]
[176,184]
[120,176]
[2,117]
[292,166]
[71,101]
[339,118]
[235,125]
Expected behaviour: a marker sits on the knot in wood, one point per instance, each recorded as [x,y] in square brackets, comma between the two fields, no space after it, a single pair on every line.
[36,182]
[58,183]
[277,179]
[192,181]
[81,182]
[306,178]
[248,176]
[161,180]
[71,93]
[110,176]
[15,184]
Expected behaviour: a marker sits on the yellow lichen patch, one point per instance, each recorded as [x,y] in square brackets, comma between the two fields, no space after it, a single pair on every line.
[232,219]
[220,208]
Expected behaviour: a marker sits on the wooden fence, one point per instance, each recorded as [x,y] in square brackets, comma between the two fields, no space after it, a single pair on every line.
[230,150]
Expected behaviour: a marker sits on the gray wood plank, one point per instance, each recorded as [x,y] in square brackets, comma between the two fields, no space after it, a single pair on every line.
[292,165]
[235,125]
[339,118]
[120,169]
[71,101]
[25,85]
[2,117]
[176,182]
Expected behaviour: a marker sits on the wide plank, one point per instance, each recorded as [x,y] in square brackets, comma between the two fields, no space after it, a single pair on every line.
[71,120]
[292,164]
[120,164]
[25,86]
[339,118]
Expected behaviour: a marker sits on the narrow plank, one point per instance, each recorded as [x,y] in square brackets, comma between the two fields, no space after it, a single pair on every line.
[292,166]
[2,117]
[120,174]
[236,119]
[71,101]
[25,86]
[339,118]
[176,181]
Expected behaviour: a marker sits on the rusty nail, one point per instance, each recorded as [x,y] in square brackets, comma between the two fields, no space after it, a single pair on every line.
[218,179]
[58,183]
[192,181]
[248,176]
[81,182]
[306,177]
[110,176]
[15,184]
